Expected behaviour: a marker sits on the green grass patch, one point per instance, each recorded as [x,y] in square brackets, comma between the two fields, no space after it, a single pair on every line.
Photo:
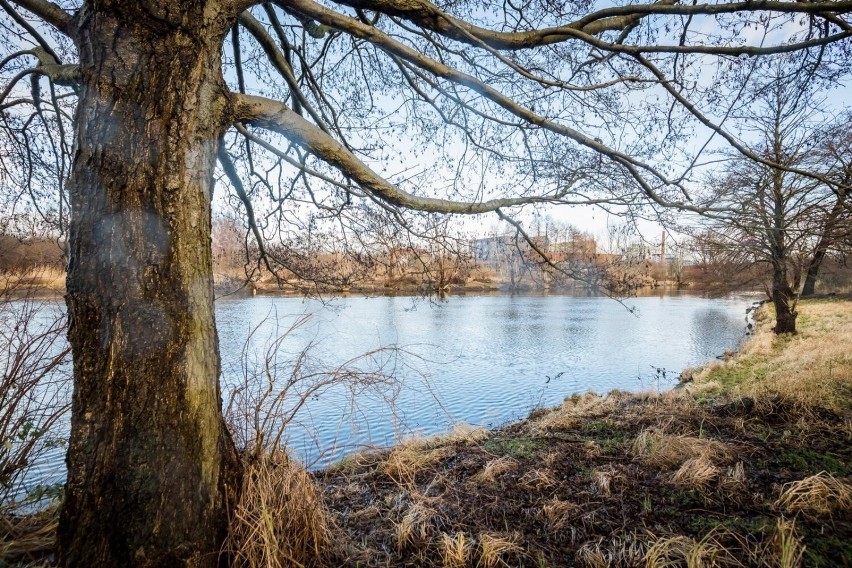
[608,436]
[827,550]
[807,461]
[519,448]
[746,370]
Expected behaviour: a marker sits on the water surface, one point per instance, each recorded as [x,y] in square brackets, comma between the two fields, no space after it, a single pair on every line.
[482,360]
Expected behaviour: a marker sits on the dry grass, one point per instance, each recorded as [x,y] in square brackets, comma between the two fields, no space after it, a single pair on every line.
[625,551]
[818,494]
[28,539]
[785,549]
[405,460]
[464,434]
[280,520]
[574,410]
[681,550]
[455,550]
[416,525]
[696,473]
[495,468]
[494,549]
[413,455]
[556,511]
[657,448]
[537,479]
[602,479]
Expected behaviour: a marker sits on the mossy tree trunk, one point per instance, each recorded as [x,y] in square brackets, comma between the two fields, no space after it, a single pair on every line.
[150,464]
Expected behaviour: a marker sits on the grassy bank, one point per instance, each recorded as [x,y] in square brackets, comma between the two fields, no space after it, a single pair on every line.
[748,464]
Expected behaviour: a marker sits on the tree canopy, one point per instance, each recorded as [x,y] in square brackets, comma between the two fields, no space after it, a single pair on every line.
[115,113]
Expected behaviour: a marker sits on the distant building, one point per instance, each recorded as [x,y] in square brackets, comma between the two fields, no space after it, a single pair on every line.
[492,252]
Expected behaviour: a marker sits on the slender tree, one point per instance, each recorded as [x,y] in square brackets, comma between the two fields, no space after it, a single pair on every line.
[834,156]
[304,104]
[784,219]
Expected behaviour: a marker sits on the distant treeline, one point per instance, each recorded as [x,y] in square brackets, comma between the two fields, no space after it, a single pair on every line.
[22,255]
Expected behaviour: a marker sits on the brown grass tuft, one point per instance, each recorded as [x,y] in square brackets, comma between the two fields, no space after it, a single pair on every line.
[821,494]
[664,450]
[783,550]
[602,479]
[574,410]
[280,520]
[696,473]
[495,548]
[557,511]
[679,550]
[495,468]
[454,550]
[537,479]
[416,524]
[405,460]
[625,551]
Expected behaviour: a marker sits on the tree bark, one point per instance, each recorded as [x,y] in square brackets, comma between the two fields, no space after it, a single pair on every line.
[825,241]
[150,463]
[783,298]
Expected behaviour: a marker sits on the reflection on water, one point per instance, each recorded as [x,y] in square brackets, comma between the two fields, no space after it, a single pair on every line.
[486,359]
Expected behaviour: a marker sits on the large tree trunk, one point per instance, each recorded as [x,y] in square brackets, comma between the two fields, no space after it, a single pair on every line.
[783,299]
[150,463]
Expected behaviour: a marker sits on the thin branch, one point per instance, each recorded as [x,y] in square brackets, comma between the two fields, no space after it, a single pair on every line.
[50,13]
[276,117]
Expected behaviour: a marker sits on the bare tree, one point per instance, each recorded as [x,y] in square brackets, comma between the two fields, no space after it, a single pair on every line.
[307,105]
[781,212]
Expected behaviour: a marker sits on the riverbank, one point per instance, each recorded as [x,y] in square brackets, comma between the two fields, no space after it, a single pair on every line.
[748,464]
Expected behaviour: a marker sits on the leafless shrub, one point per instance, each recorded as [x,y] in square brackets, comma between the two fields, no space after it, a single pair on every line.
[275,386]
[34,387]
[280,519]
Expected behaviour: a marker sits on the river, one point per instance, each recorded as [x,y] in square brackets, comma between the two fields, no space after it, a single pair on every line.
[481,360]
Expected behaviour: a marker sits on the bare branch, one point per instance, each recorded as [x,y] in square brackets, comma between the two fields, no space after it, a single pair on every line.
[428,16]
[275,116]
[50,13]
